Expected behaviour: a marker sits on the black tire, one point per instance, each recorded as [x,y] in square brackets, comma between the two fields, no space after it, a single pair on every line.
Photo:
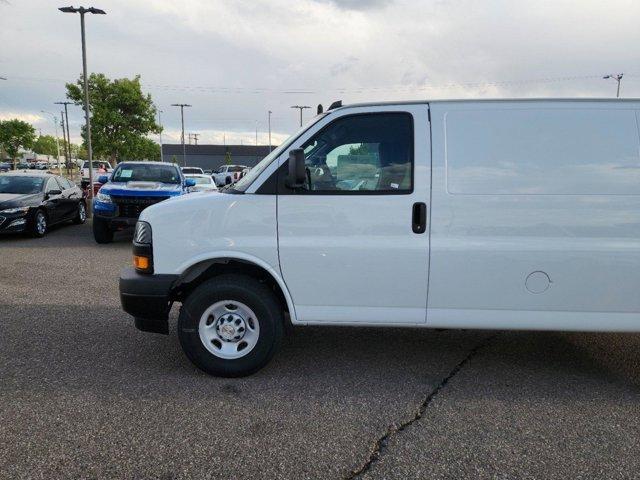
[39,219]
[258,297]
[227,181]
[80,218]
[101,231]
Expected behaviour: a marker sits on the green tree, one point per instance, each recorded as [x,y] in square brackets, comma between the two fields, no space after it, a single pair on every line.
[227,157]
[142,148]
[79,151]
[121,116]
[362,149]
[14,135]
[46,145]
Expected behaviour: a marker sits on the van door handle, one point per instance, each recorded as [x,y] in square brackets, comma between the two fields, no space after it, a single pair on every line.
[419,217]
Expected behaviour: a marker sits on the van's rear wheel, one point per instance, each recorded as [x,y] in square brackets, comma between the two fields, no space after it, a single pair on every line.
[230,326]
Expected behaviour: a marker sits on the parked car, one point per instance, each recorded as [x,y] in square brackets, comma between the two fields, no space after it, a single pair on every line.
[132,187]
[42,165]
[514,214]
[23,166]
[227,174]
[5,166]
[192,171]
[99,168]
[32,202]
[203,183]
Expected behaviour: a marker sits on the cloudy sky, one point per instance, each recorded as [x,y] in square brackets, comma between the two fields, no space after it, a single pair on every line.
[234,60]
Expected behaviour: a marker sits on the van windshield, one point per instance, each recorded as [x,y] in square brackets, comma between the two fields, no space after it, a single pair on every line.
[244,183]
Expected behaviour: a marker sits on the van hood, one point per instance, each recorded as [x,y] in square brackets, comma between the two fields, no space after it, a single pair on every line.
[141,188]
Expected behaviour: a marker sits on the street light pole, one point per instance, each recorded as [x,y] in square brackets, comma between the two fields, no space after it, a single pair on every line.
[87,110]
[184,152]
[64,139]
[160,123]
[55,126]
[67,152]
[618,78]
[300,107]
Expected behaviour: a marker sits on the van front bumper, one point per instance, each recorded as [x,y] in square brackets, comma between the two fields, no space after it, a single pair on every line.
[147,298]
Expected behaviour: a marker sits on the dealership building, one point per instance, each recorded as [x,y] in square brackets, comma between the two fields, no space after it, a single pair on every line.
[210,157]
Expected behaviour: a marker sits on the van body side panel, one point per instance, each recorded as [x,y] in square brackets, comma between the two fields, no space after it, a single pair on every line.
[535,215]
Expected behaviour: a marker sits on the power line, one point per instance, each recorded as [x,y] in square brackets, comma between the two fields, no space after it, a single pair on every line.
[363,89]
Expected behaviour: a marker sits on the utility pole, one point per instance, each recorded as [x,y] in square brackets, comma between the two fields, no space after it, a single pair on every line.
[184,151]
[269,117]
[64,140]
[195,138]
[68,145]
[300,107]
[160,123]
[256,134]
[55,125]
[87,110]
[617,77]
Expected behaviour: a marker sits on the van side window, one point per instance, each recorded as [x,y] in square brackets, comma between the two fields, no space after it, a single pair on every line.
[362,153]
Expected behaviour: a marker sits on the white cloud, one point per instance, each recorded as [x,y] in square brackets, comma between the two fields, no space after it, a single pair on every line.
[234,60]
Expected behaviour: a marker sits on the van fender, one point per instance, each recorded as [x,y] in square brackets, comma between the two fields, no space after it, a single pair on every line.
[212,257]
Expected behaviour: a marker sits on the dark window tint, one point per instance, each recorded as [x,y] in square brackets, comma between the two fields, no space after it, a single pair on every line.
[20,185]
[362,153]
[62,184]
[52,184]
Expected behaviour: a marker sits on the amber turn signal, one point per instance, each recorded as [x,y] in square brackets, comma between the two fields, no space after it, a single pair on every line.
[141,263]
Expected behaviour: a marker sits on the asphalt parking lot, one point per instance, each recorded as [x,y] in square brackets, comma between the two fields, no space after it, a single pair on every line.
[83,394]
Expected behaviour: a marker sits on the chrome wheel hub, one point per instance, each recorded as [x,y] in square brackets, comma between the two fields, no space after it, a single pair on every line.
[41,224]
[229,329]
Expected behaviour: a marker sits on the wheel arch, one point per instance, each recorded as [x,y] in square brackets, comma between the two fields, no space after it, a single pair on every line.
[205,269]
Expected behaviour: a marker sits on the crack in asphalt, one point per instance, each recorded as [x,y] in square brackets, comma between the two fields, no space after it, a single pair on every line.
[392,430]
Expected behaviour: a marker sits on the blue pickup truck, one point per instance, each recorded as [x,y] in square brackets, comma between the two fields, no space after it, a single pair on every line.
[131,188]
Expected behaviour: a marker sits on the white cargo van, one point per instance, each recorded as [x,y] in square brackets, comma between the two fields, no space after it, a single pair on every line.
[519,214]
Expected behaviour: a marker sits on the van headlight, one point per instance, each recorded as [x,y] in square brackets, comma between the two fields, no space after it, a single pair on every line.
[142,233]
[142,249]
[103,197]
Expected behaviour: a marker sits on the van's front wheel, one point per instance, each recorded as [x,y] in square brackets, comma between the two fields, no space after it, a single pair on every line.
[230,326]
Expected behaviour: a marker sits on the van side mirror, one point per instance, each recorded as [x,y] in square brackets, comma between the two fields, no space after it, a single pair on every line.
[297,176]
[103,179]
[189,182]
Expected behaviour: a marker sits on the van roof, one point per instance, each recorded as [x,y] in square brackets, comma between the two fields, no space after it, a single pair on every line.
[486,100]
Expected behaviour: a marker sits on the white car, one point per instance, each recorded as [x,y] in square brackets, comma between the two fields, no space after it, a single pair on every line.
[228,174]
[506,214]
[99,168]
[204,183]
[192,170]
